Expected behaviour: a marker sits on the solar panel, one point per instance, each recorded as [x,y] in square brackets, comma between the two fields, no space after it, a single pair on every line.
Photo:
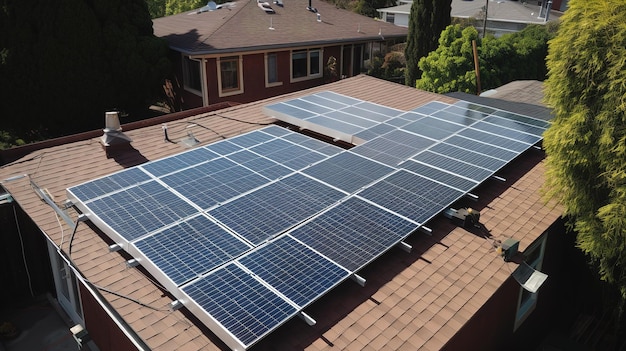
[453,165]
[516,134]
[105,185]
[495,140]
[481,148]
[270,210]
[141,209]
[454,118]
[290,155]
[241,305]
[348,172]
[536,130]
[370,115]
[251,139]
[211,183]
[348,116]
[224,147]
[468,156]
[437,174]
[394,147]
[354,232]
[175,163]
[324,101]
[191,248]
[296,271]
[261,165]
[308,106]
[411,195]
[433,128]
[276,131]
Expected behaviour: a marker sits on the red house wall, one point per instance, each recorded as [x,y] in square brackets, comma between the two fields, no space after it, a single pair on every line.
[103,331]
[491,328]
[254,78]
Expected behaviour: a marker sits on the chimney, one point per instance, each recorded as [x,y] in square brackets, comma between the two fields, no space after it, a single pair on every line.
[114,141]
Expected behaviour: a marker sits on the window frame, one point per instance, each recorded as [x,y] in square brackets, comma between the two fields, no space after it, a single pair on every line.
[527,301]
[309,75]
[187,63]
[277,82]
[239,65]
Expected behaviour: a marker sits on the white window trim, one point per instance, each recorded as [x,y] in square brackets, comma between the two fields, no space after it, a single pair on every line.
[239,77]
[524,310]
[267,83]
[308,65]
[187,87]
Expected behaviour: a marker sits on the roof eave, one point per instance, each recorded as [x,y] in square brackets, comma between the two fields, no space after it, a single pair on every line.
[286,45]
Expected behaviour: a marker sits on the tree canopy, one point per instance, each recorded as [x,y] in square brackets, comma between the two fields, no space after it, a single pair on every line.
[511,57]
[586,144]
[64,63]
[161,8]
[427,19]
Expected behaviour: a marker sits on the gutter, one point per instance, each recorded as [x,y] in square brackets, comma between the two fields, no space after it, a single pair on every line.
[294,46]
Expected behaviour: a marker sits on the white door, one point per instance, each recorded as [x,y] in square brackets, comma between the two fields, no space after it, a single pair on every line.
[66,286]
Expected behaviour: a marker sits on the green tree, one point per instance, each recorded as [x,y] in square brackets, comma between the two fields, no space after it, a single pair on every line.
[161,8]
[451,66]
[511,57]
[64,63]
[427,19]
[586,143]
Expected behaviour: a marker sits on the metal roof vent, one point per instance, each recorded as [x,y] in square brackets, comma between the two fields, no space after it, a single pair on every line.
[113,139]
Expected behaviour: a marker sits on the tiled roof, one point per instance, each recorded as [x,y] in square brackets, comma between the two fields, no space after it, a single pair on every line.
[411,301]
[245,27]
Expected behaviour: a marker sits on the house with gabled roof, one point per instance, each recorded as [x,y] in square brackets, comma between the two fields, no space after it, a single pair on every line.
[105,214]
[249,50]
[502,16]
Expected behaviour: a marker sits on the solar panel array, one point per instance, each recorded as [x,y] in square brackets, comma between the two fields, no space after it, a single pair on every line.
[249,231]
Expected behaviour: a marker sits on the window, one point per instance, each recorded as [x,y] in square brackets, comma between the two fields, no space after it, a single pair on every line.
[229,76]
[391,17]
[527,301]
[192,79]
[306,64]
[271,70]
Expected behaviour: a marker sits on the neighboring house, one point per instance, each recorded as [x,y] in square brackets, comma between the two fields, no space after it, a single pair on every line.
[242,51]
[502,16]
[452,291]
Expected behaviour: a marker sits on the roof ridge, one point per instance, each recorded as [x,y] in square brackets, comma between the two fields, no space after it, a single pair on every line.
[240,8]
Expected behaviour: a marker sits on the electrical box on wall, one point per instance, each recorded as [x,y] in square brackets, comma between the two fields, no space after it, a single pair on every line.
[509,249]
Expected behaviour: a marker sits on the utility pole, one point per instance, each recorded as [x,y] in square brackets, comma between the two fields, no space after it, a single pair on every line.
[485,19]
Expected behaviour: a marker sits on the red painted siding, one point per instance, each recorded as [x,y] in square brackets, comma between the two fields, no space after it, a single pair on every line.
[491,327]
[104,332]
[254,77]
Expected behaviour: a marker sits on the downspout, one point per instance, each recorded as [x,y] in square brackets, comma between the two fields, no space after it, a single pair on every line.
[205,85]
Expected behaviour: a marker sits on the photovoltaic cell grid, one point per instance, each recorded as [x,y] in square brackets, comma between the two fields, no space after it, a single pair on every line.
[272,209]
[354,232]
[296,271]
[348,171]
[191,248]
[240,303]
[333,114]
[411,195]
